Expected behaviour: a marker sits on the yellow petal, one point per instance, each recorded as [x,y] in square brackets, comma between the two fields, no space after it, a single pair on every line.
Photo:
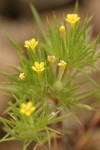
[42,69]
[33,109]
[28,113]
[36,64]
[27,43]
[36,44]
[34,68]
[75,15]
[68,16]
[22,111]
[33,41]
[23,105]
[41,64]
[29,104]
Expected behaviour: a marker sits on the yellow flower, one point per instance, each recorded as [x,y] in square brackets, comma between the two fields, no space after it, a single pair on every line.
[51,59]
[27,108]
[62,64]
[38,67]
[22,76]
[72,18]
[31,44]
[62,29]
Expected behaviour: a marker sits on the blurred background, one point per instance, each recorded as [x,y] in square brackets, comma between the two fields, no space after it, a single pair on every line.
[16,20]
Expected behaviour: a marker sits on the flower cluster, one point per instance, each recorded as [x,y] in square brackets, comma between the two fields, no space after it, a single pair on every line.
[31,44]
[51,59]
[38,67]
[49,81]
[22,76]
[27,108]
[72,18]
[62,64]
[62,30]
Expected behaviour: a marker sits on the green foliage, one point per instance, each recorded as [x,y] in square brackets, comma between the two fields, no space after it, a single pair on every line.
[55,89]
[30,128]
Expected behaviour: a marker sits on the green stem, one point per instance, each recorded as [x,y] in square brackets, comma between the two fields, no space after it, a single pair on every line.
[61,74]
[24,148]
